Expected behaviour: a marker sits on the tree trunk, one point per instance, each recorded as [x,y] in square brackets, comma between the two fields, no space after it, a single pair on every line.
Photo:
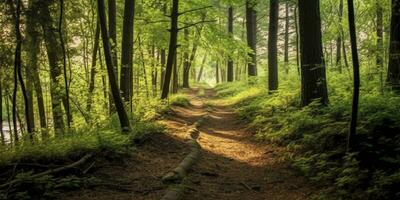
[175,76]
[272,45]
[379,43]
[32,50]
[186,64]
[251,38]
[356,70]
[394,58]
[202,68]
[53,48]
[18,74]
[126,81]
[172,48]
[339,39]
[163,62]
[296,24]
[313,75]
[286,53]
[217,72]
[123,117]
[230,31]
[93,70]
[64,63]
[3,141]
[112,34]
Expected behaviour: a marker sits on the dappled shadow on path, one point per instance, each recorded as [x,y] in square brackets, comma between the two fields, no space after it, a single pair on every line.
[233,164]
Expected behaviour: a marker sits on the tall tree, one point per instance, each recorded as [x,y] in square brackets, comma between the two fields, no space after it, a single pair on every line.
[186,62]
[230,31]
[53,47]
[339,39]
[273,45]
[394,51]
[356,70]
[286,44]
[251,27]
[123,117]
[126,80]
[313,75]
[172,48]
[1,113]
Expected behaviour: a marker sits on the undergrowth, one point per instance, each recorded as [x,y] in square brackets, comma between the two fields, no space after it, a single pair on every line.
[316,135]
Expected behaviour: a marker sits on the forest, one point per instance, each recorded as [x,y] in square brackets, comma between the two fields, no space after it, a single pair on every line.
[200,99]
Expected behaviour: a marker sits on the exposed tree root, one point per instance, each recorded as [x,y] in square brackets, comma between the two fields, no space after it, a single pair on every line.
[51,171]
[177,175]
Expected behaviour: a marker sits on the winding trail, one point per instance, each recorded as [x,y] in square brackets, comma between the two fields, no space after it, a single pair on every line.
[234,165]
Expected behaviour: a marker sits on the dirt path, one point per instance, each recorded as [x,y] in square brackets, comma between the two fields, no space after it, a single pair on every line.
[233,164]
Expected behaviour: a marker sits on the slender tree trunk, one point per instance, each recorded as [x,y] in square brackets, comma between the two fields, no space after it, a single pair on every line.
[339,39]
[272,45]
[112,34]
[93,70]
[175,77]
[286,53]
[230,31]
[10,133]
[123,117]
[64,63]
[126,81]
[54,49]
[172,48]
[186,64]
[202,68]
[163,62]
[296,24]
[251,38]
[394,58]
[351,141]
[3,141]
[379,43]
[313,75]
[18,73]
[217,72]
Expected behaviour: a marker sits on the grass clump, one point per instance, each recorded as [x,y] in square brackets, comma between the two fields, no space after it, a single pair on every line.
[181,100]
[317,135]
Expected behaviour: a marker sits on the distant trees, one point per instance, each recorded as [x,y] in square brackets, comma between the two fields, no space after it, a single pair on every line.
[394,49]
[313,75]
[273,45]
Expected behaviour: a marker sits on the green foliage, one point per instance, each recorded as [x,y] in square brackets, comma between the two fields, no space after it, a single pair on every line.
[317,135]
[179,100]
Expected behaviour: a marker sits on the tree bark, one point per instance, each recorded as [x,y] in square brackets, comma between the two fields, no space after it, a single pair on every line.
[53,48]
[3,141]
[286,53]
[112,34]
[93,70]
[394,52]
[251,38]
[351,141]
[126,81]
[230,31]
[272,45]
[123,117]
[313,75]
[339,39]
[202,68]
[186,64]
[172,48]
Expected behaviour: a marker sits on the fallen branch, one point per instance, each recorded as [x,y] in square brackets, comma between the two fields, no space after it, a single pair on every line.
[51,171]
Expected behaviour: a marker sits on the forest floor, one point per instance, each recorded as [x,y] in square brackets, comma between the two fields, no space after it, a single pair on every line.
[233,164]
